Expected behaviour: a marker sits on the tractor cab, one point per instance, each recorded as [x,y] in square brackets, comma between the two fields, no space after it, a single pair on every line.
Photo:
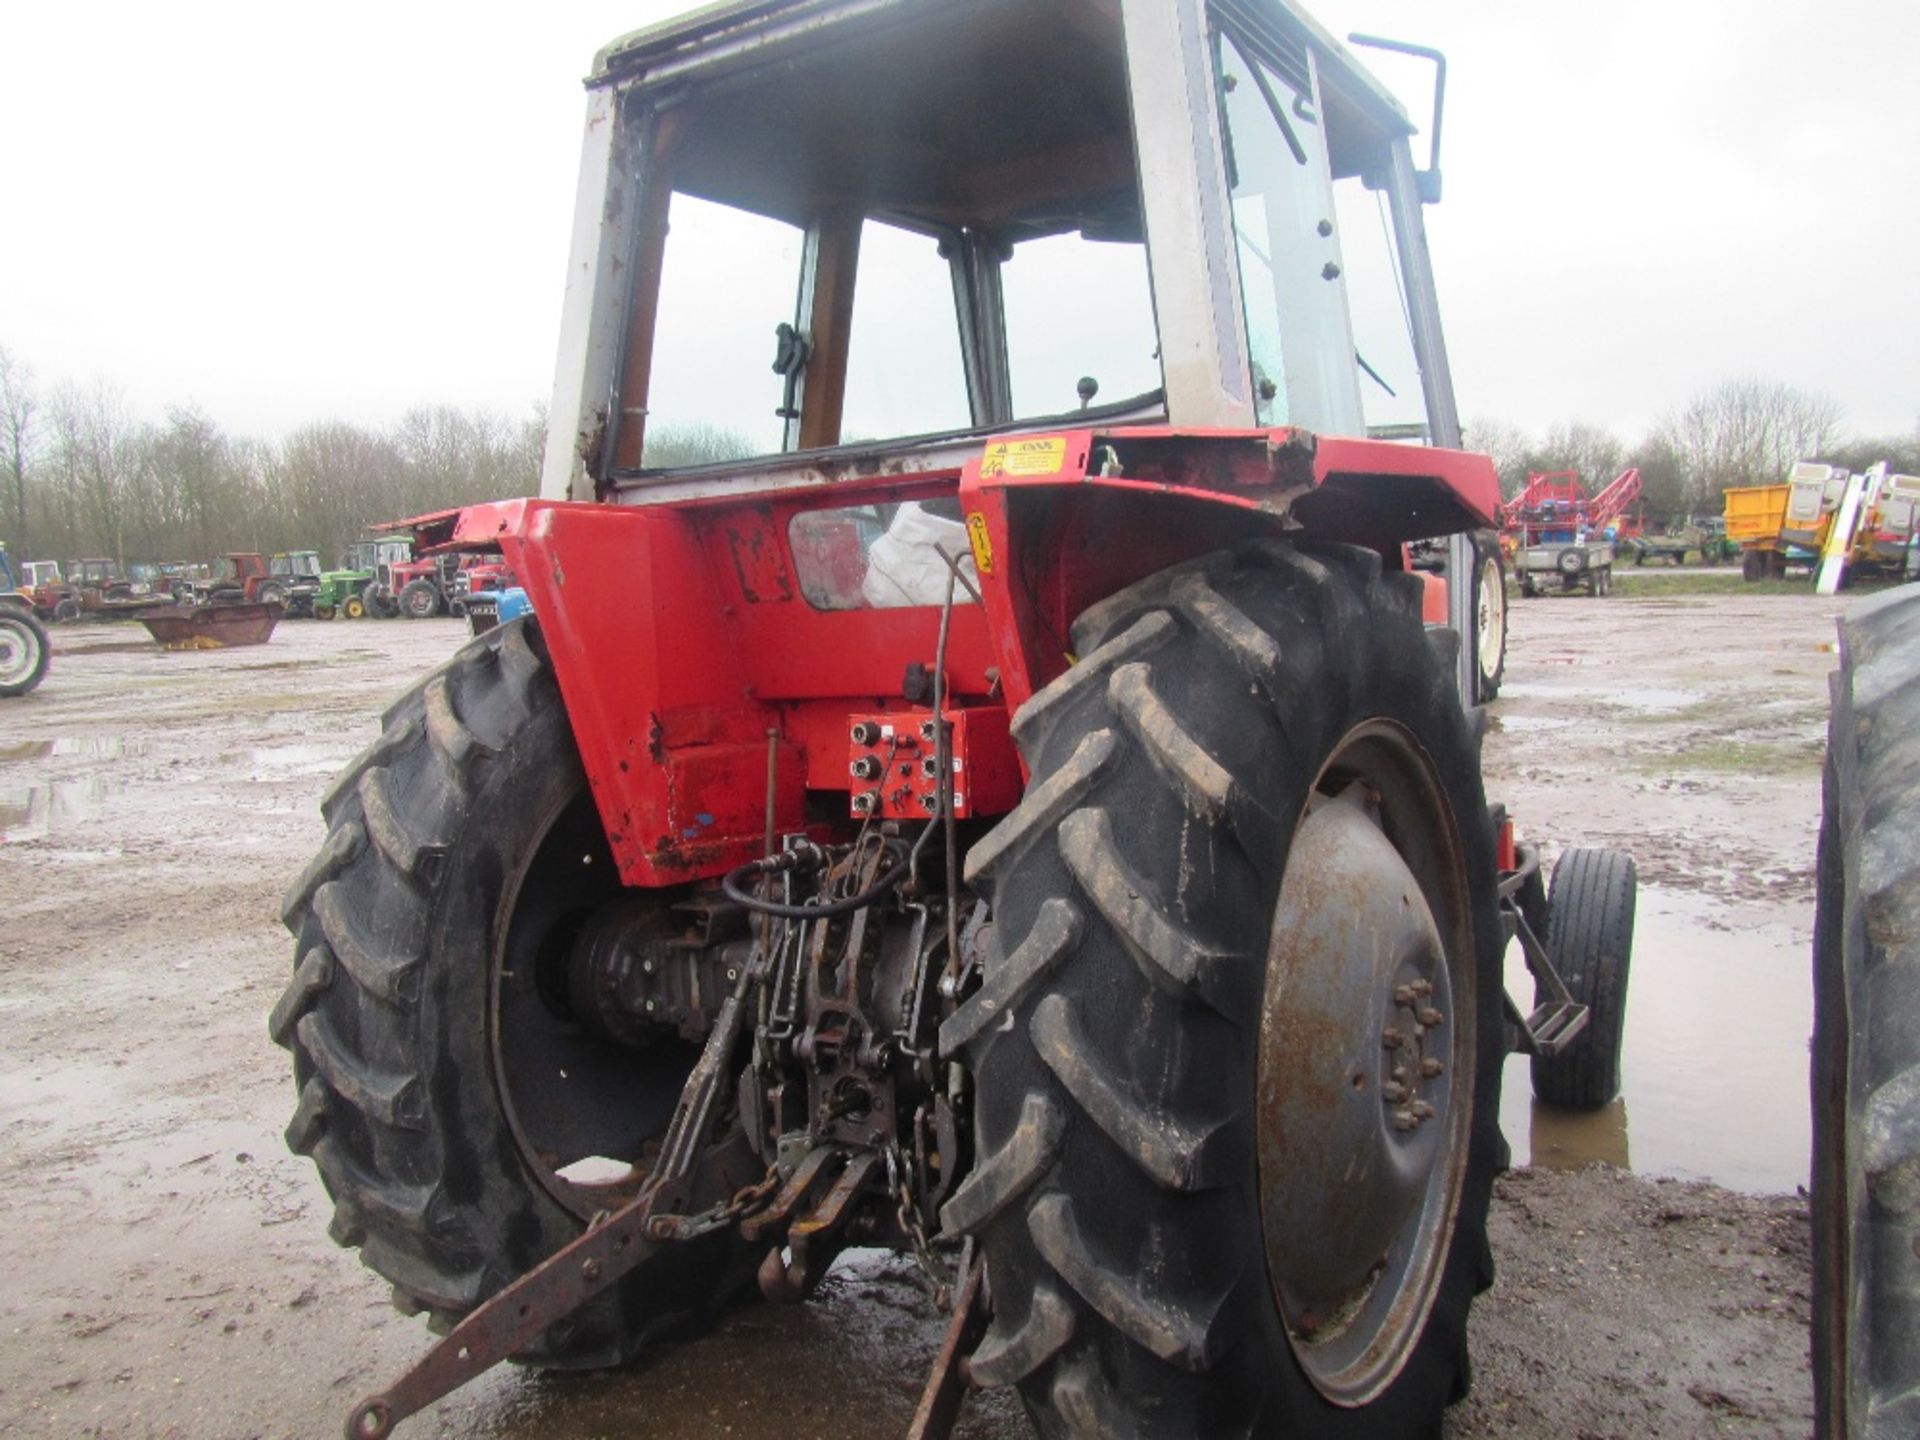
[928,225]
[967,218]
[296,565]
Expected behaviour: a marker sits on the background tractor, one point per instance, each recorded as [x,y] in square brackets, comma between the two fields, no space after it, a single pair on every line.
[24,649]
[1050,842]
[343,592]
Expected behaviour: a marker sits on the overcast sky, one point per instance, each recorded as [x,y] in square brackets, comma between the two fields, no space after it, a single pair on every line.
[282,213]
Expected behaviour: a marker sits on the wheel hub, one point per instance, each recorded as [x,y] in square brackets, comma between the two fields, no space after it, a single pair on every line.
[1362,1118]
[18,654]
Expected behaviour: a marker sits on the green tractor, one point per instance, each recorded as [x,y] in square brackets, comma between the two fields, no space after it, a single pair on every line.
[343,592]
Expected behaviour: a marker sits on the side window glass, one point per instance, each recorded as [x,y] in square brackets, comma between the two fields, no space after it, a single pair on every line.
[1390,393]
[728,278]
[1078,308]
[904,375]
[1292,275]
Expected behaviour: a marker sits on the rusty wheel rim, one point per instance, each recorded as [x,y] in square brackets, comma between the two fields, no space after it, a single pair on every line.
[1366,1069]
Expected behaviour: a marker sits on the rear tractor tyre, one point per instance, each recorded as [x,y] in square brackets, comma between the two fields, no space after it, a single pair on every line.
[23,650]
[463,851]
[1589,936]
[68,609]
[353,607]
[1245,968]
[419,600]
[377,605]
[1866,1048]
[1489,615]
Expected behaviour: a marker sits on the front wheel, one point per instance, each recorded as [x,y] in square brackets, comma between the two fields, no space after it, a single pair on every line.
[323,612]
[419,600]
[1589,937]
[1489,615]
[67,609]
[446,1096]
[23,651]
[272,594]
[1238,1042]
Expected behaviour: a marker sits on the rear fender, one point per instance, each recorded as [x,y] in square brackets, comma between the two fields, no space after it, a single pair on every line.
[1061,521]
[689,654]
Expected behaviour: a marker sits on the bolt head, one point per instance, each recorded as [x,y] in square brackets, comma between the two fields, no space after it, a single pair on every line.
[1393,1092]
[1421,1110]
[1404,1120]
[1431,1067]
[1403,995]
[589,1270]
[1429,1017]
[1391,1039]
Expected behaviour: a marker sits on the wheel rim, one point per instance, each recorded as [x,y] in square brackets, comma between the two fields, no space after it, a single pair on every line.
[1492,618]
[19,651]
[353,609]
[1370,977]
[567,1095]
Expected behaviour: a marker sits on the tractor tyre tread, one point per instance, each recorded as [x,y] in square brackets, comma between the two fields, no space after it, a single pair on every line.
[1111,1191]
[1866,1045]
[1589,935]
[411,1150]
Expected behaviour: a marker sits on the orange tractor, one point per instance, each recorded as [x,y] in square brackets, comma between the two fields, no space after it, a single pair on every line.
[1047,839]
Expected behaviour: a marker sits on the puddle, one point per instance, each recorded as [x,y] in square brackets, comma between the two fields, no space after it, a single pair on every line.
[1531,722]
[105,747]
[1714,1073]
[34,812]
[1630,697]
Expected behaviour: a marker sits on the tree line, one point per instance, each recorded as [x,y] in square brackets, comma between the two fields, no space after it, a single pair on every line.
[1737,433]
[82,475]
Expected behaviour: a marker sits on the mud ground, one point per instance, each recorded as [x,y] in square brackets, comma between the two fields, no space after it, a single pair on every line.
[166,1271]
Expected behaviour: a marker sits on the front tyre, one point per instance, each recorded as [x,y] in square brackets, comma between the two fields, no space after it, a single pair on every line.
[1238,1042]
[445,1096]
[1489,615]
[419,600]
[23,651]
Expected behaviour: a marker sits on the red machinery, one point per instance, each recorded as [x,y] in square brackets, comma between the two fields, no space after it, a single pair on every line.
[1555,507]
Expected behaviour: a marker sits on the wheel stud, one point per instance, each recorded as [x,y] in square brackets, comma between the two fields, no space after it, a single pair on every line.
[1403,995]
[1404,1120]
[1429,1017]
[1392,1039]
[1393,1092]
[1431,1067]
[1421,1110]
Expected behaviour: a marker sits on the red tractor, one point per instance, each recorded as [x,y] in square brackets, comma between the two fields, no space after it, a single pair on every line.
[1051,843]
[423,586]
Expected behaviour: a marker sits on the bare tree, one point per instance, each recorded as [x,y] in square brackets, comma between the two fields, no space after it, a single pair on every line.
[1594,451]
[19,437]
[1508,446]
[1748,432]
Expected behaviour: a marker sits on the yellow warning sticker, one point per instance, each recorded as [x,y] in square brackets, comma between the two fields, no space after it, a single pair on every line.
[982,546]
[1033,455]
